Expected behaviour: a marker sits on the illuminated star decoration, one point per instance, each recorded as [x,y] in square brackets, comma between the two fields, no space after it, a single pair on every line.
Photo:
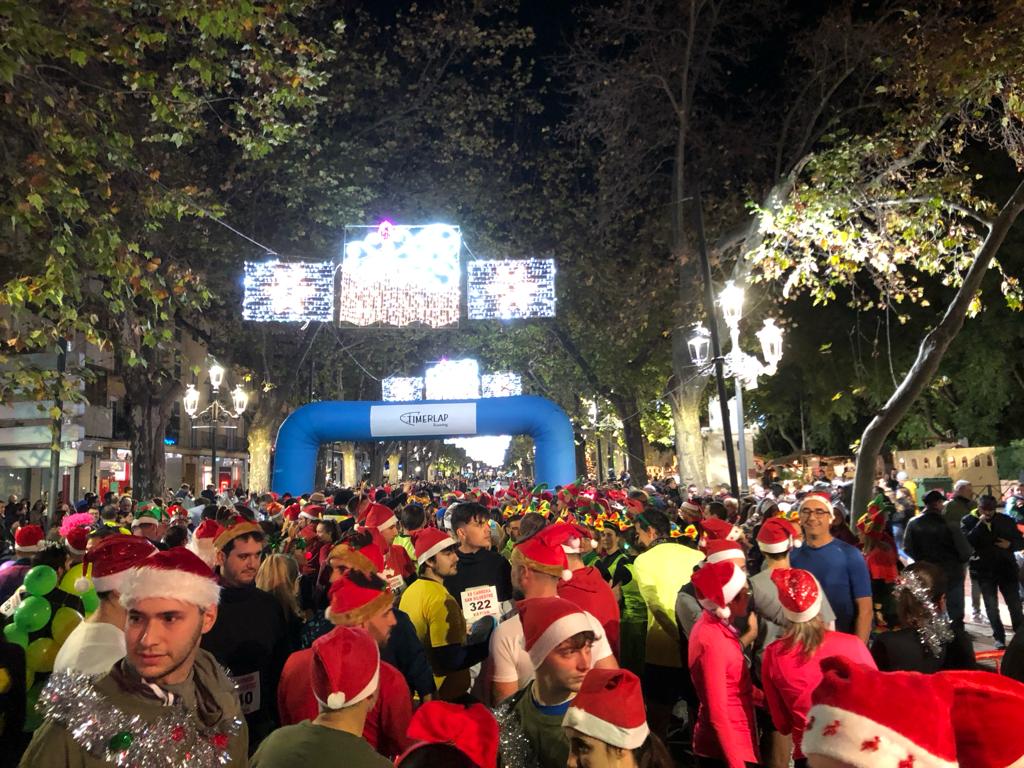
[511,289]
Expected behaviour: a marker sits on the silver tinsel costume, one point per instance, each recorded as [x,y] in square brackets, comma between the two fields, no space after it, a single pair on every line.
[106,732]
[514,748]
[936,632]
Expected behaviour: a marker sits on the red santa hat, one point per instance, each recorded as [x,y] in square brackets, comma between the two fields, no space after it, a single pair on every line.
[176,574]
[29,538]
[610,708]
[819,500]
[799,593]
[368,558]
[547,622]
[380,517]
[570,536]
[716,584]
[311,512]
[715,528]
[427,542]
[981,699]
[720,550]
[691,510]
[471,729]
[292,511]
[357,597]
[202,541]
[543,553]
[866,718]
[346,667]
[777,535]
[77,539]
[109,561]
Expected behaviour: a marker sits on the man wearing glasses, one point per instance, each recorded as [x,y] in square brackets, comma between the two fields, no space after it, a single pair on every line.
[839,567]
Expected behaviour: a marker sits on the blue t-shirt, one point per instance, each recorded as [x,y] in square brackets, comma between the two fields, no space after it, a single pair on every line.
[843,575]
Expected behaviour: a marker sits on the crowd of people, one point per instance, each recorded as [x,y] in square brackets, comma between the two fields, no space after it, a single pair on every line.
[441,625]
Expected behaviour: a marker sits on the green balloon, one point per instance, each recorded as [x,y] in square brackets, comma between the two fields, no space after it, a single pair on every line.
[90,601]
[32,614]
[40,580]
[15,635]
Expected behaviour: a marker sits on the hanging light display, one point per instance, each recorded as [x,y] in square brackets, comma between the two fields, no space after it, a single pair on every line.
[399,275]
[502,384]
[288,291]
[511,289]
[453,380]
[402,389]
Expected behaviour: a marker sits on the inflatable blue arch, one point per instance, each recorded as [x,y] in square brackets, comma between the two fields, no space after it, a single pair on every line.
[302,433]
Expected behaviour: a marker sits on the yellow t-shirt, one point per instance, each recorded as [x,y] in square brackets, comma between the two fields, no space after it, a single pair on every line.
[438,622]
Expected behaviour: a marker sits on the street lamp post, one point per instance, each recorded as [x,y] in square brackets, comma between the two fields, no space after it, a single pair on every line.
[216,413]
[743,368]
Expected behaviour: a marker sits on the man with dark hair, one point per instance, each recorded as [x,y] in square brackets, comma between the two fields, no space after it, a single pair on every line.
[479,565]
[413,517]
[250,636]
[930,538]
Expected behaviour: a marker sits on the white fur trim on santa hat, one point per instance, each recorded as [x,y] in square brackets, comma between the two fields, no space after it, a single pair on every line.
[143,583]
[337,699]
[776,548]
[850,738]
[734,534]
[111,583]
[727,554]
[387,523]
[203,549]
[799,617]
[438,547]
[37,547]
[573,546]
[558,632]
[609,733]
[730,589]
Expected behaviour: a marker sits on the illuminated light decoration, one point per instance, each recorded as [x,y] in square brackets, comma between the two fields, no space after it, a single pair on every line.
[402,389]
[398,275]
[453,380]
[288,291]
[486,449]
[511,289]
[501,384]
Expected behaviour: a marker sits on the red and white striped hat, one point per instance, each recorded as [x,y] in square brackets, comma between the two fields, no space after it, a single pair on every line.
[777,535]
[610,708]
[547,622]
[719,550]
[716,584]
[799,593]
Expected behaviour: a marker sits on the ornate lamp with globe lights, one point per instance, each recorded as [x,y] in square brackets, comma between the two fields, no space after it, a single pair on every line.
[216,413]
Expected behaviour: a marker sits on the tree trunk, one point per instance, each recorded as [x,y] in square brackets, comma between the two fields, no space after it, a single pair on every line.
[929,356]
[147,429]
[636,443]
[580,445]
[685,400]
[260,438]
[377,455]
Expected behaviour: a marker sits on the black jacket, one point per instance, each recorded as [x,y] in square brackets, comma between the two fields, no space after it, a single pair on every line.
[902,651]
[931,539]
[478,569]
[988,559]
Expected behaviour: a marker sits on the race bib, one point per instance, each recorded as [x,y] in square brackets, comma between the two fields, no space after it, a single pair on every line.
[248,691]
[478,602]
[394,580]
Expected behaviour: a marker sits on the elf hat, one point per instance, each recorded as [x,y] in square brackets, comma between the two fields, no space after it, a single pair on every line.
[979,700]
[543,553]
[610,708]
[76,540]
[202,541]
[240,527]
[776,536]
[109,561]
[799,593]
[346,667]
[427,542]
[176,574]
[356,597]
[866,718]
[380,517]
[149,516]
[720,550]
[29,538]
[548,622]
[818,500]
[717,584]
[471,729]
[720,529]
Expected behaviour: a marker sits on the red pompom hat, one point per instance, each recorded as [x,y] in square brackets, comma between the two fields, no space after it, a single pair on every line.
[346,667]
[543,553]
[176,574]
[720,550]
[716,584]
[980,700]
[108,562]
[77,539]
[799,593]
[547,622]
[609,708]
[867,719]
[202,541]
[777,535]
[427,542]
[29,538]
[470,729]
[380,517]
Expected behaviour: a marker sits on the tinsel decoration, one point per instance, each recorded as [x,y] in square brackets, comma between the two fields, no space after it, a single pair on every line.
[108,733]
[513,745]
[936,631]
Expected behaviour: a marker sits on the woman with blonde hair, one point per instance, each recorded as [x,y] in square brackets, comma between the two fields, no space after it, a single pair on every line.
[791,668]
[278,575]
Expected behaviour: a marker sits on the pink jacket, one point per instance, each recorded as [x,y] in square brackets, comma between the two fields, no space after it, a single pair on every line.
[789,678]
[725,720]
